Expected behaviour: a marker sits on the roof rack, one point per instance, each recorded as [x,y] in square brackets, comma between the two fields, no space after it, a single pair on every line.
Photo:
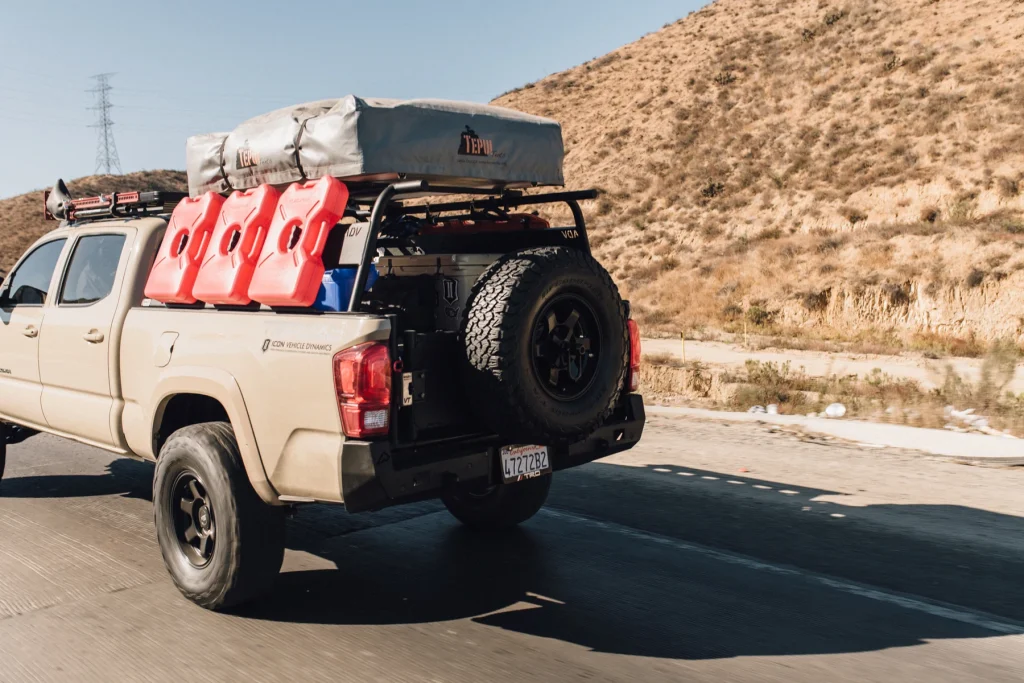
[118,205]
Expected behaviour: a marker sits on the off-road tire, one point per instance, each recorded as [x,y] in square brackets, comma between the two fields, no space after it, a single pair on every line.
[499,507]
[248,547]
[500,377]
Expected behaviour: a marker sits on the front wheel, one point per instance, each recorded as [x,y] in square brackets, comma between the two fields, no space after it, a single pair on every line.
[220,542]
[498,507]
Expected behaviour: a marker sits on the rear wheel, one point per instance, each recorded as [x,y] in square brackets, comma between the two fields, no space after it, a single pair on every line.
[500,506]
[220,542]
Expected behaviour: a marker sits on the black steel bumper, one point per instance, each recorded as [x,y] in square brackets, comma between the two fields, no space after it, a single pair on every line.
[375,474]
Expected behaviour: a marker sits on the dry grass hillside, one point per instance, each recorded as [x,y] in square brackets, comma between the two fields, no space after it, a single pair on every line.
[21,217]
[839,169]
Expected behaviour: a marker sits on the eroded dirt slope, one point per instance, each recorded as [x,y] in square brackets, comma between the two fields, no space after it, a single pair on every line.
[833,168]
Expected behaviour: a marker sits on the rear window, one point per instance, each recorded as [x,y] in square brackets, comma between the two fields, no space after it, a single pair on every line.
[92,269]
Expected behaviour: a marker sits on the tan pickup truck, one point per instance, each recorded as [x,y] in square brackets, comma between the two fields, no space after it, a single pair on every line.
[476,365]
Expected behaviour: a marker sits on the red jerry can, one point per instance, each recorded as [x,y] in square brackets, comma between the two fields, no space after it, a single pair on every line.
[177,263]
[235,245]
[291,267]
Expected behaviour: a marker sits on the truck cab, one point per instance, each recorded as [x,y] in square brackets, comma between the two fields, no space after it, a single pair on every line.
[64,379]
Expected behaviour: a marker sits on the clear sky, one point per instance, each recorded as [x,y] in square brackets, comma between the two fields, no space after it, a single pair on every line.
[194,67]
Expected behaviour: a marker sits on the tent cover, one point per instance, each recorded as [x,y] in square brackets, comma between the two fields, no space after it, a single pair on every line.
[374,141]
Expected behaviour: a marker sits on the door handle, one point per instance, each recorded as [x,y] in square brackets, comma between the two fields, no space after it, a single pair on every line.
[94,336]
[30,331]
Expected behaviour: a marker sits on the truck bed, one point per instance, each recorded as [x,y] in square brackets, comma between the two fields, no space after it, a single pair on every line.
[281,363]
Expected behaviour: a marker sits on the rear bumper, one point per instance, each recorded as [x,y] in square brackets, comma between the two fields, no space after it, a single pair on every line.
[375,475]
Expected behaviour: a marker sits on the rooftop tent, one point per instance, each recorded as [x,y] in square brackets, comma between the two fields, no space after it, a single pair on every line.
[369,142]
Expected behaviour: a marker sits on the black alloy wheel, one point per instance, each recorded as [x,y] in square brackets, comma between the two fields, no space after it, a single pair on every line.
[194,523]
[566,347]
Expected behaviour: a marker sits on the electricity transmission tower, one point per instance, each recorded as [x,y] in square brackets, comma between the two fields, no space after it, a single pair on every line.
[106,148]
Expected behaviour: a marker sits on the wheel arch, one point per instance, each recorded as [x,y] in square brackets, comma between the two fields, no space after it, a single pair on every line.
[187,396]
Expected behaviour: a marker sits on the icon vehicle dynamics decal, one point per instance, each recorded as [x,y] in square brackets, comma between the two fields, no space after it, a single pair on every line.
[319,349]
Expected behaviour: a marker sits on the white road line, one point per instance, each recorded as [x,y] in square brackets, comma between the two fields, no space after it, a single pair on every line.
[916,604]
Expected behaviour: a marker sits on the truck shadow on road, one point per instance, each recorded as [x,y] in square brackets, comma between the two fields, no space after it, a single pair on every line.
[124,477]
[620,565]
[625,562]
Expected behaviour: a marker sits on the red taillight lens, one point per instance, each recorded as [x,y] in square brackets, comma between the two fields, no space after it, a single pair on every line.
[634,355]
[362,378]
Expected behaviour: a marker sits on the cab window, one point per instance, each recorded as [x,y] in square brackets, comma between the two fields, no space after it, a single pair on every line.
[92,269]
[30,282]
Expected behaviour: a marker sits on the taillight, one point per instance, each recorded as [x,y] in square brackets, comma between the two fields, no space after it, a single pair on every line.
[362,378]
[634,355]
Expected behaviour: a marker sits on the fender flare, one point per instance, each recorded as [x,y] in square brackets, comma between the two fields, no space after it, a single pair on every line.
[221,386]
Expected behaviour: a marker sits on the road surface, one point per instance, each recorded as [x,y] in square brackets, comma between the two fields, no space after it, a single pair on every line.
[712,552]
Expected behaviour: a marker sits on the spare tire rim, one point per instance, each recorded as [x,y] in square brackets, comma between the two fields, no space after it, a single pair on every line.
[566,344]
[194,524]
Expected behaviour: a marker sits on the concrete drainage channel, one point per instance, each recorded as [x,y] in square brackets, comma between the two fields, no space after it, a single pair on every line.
[970,448]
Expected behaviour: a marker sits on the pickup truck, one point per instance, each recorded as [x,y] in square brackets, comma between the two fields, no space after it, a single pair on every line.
[528,368]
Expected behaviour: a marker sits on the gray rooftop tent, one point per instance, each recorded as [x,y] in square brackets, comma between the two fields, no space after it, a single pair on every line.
[370,142]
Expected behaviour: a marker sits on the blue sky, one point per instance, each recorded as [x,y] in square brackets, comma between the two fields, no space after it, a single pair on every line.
[195,67]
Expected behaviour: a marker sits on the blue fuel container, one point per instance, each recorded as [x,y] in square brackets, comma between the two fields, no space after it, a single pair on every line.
[336,288]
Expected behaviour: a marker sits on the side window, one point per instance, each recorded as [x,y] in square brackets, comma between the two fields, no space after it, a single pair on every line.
[29,284]
[92,269]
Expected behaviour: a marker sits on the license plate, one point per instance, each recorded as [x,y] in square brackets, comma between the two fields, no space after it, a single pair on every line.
[524,462]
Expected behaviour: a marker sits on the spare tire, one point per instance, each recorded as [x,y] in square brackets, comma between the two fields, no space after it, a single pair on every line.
[546,345]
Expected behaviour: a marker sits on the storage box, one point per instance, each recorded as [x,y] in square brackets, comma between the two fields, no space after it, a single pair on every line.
[454,276]
[336,289]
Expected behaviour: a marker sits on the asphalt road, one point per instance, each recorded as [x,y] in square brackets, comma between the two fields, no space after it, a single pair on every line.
[709,553]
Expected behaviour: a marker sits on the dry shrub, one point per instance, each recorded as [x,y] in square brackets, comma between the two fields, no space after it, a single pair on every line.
[975,278]
[929,213]
[962,209]
[852,214]
[1008,187]
[989,394]
[766,383]
[816,301]
[830,245]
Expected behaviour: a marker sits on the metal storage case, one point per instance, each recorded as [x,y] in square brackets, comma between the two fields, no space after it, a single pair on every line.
[454,274]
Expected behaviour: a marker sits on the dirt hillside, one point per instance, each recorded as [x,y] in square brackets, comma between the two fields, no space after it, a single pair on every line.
[21,217]
[833,169]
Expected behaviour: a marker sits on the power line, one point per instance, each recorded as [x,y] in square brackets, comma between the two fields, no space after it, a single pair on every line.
[106,148]
[36,119]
